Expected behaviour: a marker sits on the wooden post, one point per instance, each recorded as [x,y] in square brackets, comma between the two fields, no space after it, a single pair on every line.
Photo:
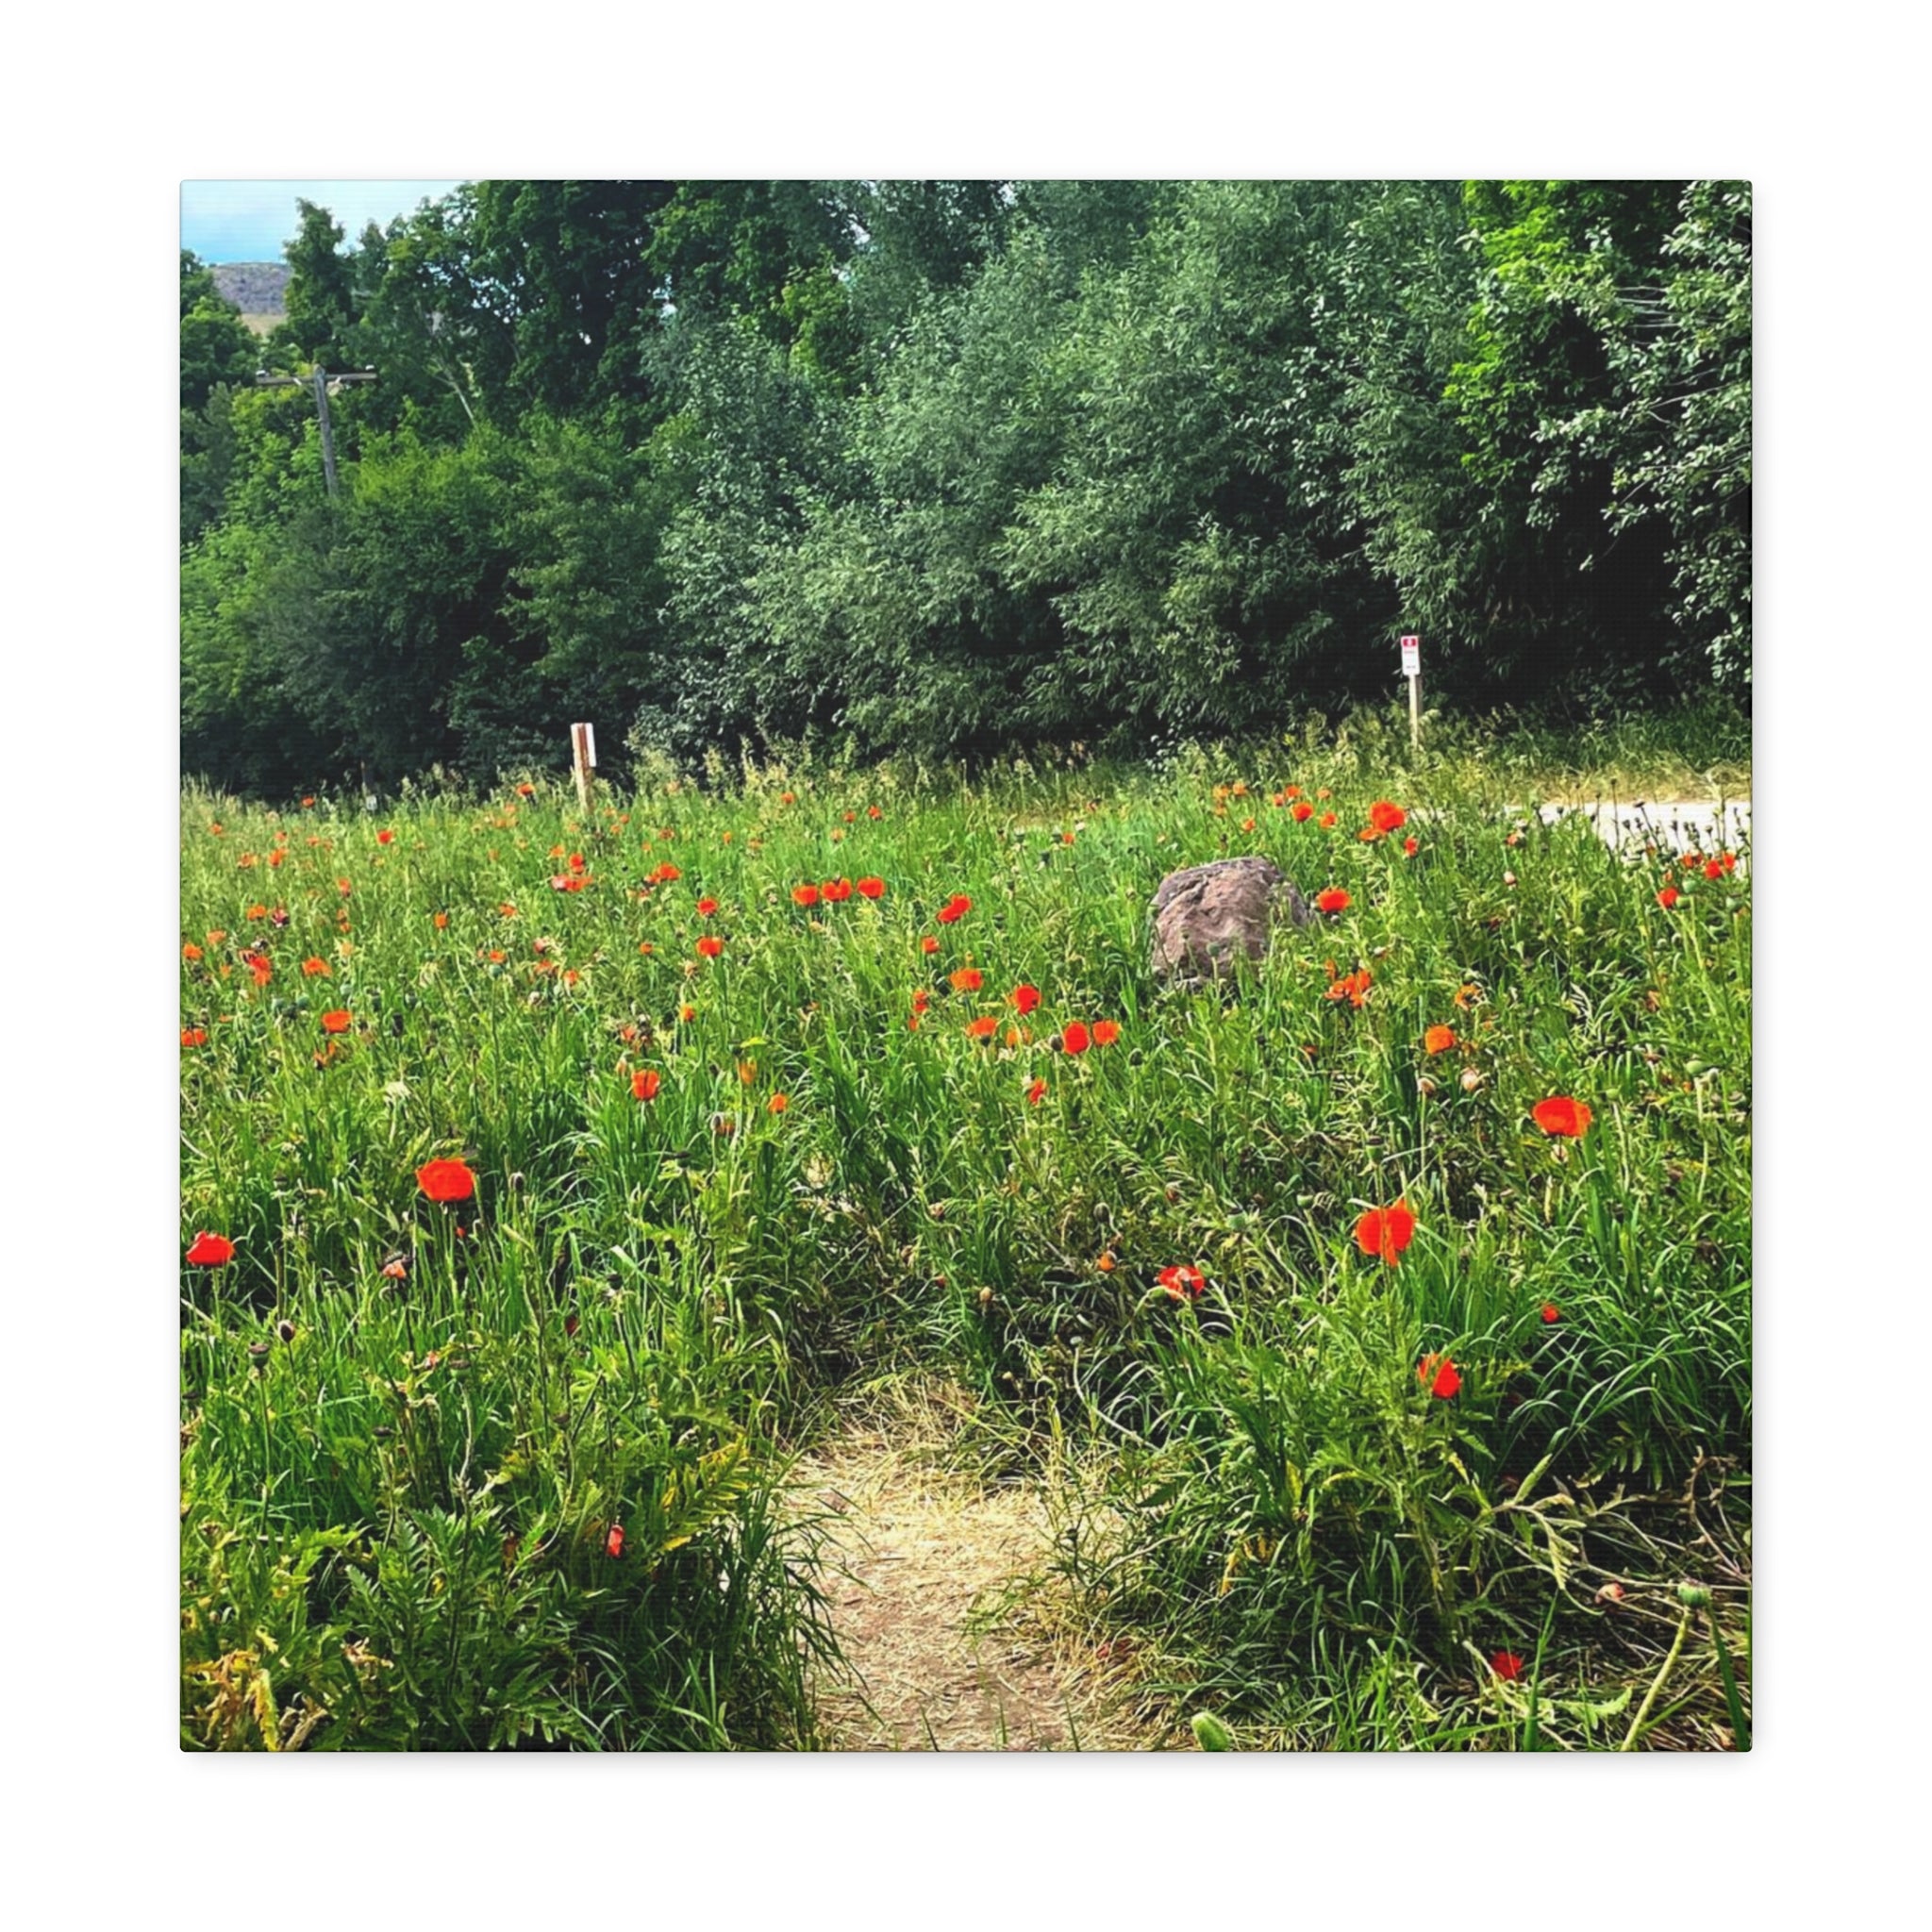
[583,746]
[1412,670]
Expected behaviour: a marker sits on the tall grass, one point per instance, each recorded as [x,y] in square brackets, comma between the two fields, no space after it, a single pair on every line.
[409,1429]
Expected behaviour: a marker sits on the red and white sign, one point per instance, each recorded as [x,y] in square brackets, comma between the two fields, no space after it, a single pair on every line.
[1412,657]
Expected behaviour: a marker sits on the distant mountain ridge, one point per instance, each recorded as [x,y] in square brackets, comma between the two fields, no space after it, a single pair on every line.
[256,288]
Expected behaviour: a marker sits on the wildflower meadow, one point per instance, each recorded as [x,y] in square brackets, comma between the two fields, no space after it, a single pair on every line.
[1378,1322]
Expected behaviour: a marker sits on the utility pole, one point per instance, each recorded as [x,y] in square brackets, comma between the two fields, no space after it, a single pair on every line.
[323,383]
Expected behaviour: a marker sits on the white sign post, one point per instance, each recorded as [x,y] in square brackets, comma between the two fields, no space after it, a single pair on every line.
[583,746]
[1412,670]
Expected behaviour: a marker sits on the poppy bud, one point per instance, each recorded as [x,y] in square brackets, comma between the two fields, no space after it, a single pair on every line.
[1693,1596]
[1423,1085]
[285,1330]
[257,1353]
[985,1296]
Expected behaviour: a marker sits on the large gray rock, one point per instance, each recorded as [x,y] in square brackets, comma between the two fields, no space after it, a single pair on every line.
[1209,917]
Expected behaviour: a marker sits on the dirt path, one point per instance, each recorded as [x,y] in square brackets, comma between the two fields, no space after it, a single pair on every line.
[920,1567]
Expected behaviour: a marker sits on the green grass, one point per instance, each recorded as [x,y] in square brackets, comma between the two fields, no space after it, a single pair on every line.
[398,1488]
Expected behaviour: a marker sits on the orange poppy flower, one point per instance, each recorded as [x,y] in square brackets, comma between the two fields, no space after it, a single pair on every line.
[1303,813]
[315,969]
[1409,848]
[446,1180]
[1562,1116]
[779,1103]
[338,1021]
[1386,1231]
[804,895]
[967,979]
[872,888]
[837,890]
[1438,1040]
[1328,822]
[193,1035]
[439,920]
[928,944]
[982,1028]
[706,908]
[211,1251]
[1036,1094]
[1386,817]
[1465,997]
[644,1084]
[1669,897]
[190,952]
[711,945]
[1333,900]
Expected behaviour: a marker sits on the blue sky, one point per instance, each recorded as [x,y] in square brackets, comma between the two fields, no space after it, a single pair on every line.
[248,220]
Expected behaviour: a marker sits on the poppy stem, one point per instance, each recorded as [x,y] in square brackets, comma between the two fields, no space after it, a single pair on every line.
[1650,1696]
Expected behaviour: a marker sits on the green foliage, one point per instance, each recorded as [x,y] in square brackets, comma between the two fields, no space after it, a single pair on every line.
[939,467]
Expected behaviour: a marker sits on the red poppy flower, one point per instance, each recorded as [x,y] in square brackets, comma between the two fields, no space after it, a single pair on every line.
[837,890]
[955,909]
[1183,1281]
[1076,1038]
[1303,813]
[1333,900]
[1562,1116]
[1025,999]
[446,1180]
[804,895]
[779,1103]
[338,1021]
[921,1000]
[711,945]
[872,888]
[1438,1040]
[1409,848]
[1551,1312]
[1105,1032]
[1386,1231]
[645,1085]
[706,908]
[1386,817]
[1328,822]
[613,1543]
[1352,987]
[967,979]
[258,965]
[211,1251]
[983,1028]
[384,836]
[1440,1376]
[1036,1094]
[193,1035]
[928,944]
[1506,1665]
[1669,897]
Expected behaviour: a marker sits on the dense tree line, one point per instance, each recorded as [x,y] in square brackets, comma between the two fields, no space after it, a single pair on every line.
[932,467]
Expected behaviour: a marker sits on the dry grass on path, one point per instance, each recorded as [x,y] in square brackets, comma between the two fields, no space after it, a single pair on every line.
[921,1564]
